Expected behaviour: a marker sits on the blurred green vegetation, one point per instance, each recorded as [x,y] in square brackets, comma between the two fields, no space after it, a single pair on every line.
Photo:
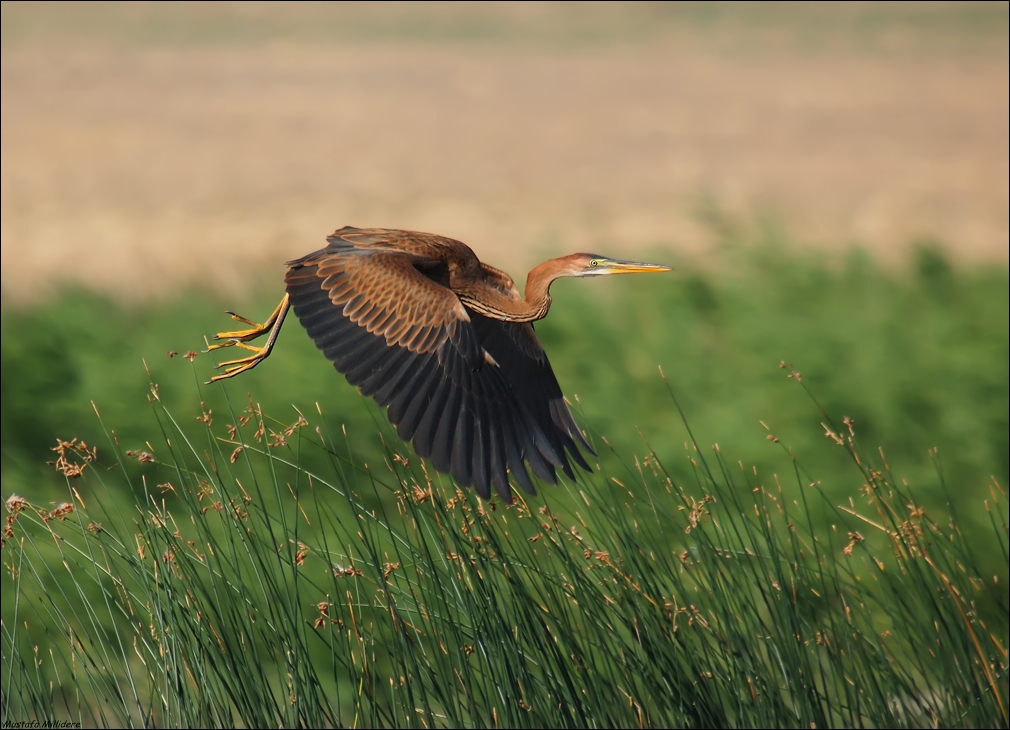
[917,358]
[881,27]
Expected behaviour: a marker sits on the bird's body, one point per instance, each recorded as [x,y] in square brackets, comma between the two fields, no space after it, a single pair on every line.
[445,343]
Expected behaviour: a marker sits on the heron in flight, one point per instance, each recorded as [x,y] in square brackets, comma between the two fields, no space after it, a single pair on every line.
[445,343]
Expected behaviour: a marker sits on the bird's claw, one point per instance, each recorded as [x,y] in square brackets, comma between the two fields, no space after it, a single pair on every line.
[255,330]
[239,365]
[217,345]
[243,320]
[228,342]
[239,338]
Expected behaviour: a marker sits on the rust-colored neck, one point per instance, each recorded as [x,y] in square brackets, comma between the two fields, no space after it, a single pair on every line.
[538,285]
[491,302]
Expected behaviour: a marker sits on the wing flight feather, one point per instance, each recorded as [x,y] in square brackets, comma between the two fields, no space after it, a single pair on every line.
[379,314]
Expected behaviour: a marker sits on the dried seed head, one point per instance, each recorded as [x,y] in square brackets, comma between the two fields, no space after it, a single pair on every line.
[15,503]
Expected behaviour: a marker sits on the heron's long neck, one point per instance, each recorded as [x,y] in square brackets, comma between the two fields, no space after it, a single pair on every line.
[538,286]
[492,302]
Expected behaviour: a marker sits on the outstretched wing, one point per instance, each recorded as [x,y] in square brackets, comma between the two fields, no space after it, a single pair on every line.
[475,395]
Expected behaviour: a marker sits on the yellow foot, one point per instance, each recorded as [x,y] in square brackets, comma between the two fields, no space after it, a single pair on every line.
[234,367]
[239,338]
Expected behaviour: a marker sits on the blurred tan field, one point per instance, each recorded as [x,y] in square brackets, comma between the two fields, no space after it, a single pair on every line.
[148,146]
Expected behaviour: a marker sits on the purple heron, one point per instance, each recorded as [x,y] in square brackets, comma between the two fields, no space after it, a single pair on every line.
[445,343]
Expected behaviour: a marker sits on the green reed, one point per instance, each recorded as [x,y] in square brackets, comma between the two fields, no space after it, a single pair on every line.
[263,574]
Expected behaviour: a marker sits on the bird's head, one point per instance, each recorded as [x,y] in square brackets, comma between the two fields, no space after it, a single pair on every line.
[580,264]
[591,264]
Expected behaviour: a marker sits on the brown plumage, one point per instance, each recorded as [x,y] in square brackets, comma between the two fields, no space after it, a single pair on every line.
[445,343]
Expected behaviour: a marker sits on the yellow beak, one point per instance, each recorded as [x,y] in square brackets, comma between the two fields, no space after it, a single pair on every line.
[631,267]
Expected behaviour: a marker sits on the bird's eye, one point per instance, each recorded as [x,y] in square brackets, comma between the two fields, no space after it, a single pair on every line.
[594,262]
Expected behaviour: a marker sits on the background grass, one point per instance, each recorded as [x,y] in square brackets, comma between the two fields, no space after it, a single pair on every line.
[238,586]
[224,566]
